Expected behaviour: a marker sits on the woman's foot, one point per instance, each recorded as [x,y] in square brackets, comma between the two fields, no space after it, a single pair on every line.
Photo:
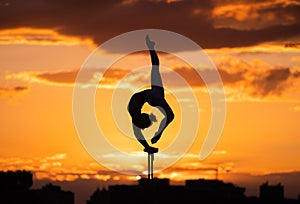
[150,43]
[151,150]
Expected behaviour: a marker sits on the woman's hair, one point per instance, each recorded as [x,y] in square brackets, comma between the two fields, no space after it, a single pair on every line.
[143,121]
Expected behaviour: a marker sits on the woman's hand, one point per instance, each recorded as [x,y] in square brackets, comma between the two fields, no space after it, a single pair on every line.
[156,137]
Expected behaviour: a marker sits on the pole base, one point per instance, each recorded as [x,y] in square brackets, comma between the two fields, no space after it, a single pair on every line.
[151,150]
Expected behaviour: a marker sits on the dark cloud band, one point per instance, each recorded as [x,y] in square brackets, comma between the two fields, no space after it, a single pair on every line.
[102,20]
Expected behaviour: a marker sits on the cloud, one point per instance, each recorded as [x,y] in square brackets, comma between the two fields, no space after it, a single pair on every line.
[13,91]
[64,77]
[243,15]
[296,108]
[191,168]
[53,162]
[59,156]
[253,83]
[256,80]
[54,167]
[131,79]
[212,24]
[272,81]
[292,44]
[69,77]
[40,36]
[253,80]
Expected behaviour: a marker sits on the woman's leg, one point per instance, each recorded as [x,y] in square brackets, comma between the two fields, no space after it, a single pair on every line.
[156,95]
[156,80]
[169,117]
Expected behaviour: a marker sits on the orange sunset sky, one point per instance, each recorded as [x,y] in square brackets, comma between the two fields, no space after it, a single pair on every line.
[254,45]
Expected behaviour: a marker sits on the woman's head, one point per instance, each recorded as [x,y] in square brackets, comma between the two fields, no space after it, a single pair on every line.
[143,121]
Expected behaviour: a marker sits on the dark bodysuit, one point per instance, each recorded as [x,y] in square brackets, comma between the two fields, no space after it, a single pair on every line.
[155,97]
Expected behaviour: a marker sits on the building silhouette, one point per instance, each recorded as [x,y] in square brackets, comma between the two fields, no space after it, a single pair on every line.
[194,191]
[214,190]
[52,194]
[99,196]
[15,189]
[271,193]
[160,191]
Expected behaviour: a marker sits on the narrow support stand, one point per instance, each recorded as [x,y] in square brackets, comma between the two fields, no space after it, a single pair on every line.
[150,165]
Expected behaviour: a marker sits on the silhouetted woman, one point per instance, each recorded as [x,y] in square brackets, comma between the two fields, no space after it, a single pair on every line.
[154,97]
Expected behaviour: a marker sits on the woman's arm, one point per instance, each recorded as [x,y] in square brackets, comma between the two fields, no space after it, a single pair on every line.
[168,118]
[139,136]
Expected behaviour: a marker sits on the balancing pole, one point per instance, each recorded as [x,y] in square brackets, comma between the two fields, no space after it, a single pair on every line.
[150,165]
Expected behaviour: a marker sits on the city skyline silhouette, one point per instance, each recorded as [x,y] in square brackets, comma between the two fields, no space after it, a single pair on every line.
[16,187]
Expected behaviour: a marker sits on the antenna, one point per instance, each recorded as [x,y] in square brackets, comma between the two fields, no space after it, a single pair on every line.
[217,172]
